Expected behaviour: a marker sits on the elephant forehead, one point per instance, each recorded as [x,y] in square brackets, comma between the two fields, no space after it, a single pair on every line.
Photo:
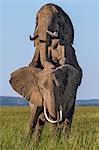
[44,18]
[47,9]
[46,13]
[43,14]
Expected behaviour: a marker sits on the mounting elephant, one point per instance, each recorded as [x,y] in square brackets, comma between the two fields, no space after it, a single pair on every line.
[51,80]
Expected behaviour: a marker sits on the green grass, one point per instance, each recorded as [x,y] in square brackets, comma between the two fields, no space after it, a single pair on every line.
[84,132]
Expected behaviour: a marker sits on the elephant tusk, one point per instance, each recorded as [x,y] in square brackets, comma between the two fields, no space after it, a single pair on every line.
[55,34]
[60,109]
[34,37]
[52,121]
[55,80]
[49,120]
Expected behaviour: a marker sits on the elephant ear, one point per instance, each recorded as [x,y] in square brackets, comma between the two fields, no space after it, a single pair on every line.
[25,82]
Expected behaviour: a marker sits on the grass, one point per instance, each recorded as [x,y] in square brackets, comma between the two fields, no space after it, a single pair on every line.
[84,133]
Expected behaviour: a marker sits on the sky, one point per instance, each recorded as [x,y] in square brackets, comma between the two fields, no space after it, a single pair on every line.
[17,22]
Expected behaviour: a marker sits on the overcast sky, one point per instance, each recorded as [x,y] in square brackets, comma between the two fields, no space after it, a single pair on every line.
[17,22]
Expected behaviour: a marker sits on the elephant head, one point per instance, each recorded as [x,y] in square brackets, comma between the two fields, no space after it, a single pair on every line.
[52,21]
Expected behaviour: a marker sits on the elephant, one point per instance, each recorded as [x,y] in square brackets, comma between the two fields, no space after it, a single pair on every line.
[51,80]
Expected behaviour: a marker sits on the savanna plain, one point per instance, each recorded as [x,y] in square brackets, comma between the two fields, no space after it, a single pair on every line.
[84,133]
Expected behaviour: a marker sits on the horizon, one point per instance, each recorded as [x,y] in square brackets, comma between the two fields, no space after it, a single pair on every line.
[20,101]
[17,21]
[19,96]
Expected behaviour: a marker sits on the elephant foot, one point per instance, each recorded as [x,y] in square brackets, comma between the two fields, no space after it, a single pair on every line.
[66,129]
[66,125]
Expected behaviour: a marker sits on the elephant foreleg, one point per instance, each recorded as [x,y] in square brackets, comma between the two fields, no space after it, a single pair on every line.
[31,122]
[71,112]
[70,92]
[39,126]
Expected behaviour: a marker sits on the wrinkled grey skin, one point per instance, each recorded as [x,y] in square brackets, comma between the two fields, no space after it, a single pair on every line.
[54,70]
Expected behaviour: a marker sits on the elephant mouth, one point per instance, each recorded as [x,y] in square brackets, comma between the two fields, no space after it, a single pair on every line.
[54,121]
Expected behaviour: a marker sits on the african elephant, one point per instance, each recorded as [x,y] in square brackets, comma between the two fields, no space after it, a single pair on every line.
[51,80]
